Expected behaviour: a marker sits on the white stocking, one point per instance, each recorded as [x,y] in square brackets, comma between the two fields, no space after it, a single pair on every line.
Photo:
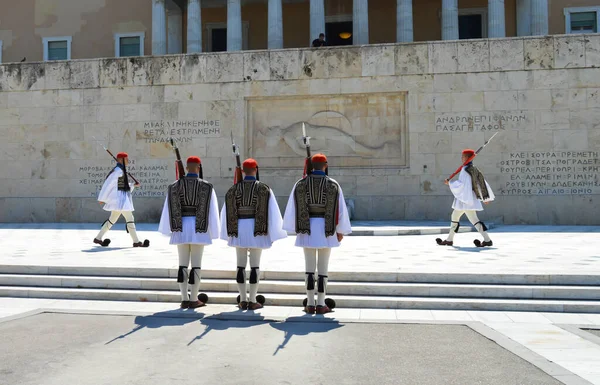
[472,215]
[456,214]
[255,273]
[310,259]
[322,277]
[182,274]
[196,257]
[242,261]
[128,215]
[114,217]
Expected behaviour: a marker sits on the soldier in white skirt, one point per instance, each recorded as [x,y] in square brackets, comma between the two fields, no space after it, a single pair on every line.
[317,212]
[191,217]
[115,195]
[469,191]
[250,222]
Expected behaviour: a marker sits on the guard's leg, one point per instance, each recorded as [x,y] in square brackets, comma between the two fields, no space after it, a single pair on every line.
[323,269]
[254,277]
[242,261]
[481,227]
[182,275]
[310,260]
[131,230]
[196,252]
[454,226]
[114,217]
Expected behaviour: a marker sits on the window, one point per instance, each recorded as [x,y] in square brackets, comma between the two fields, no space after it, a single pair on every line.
[582,19]
[57,48]
[338,30]
[129,44]
[217,36]
[472,23]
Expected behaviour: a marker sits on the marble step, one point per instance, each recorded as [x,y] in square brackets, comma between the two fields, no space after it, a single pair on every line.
[343,301]
[297,287]
[350,276]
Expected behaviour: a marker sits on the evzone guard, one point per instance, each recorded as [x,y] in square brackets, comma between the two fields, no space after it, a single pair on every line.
[250,222]
[317,212]
[190,216]
[469,191]
[115,195]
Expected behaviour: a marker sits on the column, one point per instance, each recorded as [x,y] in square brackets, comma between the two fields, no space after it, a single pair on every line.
[360,22]
[194,27]
[174,30]
[275,25]
[523,17]
[404,21]
[496,23]
[539,17]
[449,19]
[159,28]
[234,25]
[317,19]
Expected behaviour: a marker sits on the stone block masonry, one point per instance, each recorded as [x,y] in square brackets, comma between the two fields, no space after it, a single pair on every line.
[393,119]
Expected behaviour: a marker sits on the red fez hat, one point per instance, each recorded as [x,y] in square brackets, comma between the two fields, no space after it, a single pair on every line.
[122,155]
[319,158]
[468,152]
[250,163]
[194,159]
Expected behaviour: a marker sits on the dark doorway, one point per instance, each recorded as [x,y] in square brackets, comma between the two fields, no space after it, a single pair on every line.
[470,26]
[219,40]
[333,31]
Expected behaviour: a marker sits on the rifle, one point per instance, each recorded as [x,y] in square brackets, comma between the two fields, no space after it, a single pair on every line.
[116,160]
[471,157]
[237,174]
[308,162]
[179,170]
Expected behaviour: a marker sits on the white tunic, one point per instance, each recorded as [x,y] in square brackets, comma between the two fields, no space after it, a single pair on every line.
[464,196]
[317,238]
[114,199]
[246,236]
[189,234]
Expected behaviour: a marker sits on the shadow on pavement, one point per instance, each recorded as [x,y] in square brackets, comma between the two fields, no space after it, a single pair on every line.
[101,249]
[227,320]
[290,329]
[161,319]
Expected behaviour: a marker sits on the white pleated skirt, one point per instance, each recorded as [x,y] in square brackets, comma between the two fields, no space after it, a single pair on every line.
[122,203]
[246,237]
[189,234]
[317,239]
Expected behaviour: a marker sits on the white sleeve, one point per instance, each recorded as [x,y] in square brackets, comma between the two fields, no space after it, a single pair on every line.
[462,188]
[276,230]
[289,218]
[343,227]
[223,220]
[108,193]
[213,216]
[164,227]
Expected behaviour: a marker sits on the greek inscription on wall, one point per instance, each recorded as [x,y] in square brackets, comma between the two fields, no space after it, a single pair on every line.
[154,178]
[550,173]
[484,121]
[182,131]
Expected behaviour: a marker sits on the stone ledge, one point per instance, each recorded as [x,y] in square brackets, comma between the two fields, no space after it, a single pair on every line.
[417,58]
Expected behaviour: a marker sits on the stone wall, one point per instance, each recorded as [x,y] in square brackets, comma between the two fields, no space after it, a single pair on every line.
[394,119]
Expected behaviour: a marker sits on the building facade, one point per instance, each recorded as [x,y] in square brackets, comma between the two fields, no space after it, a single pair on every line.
[58,30]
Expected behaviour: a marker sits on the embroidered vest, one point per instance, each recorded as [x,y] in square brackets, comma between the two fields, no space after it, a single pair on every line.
[189,196]
[316,196]
[248,199]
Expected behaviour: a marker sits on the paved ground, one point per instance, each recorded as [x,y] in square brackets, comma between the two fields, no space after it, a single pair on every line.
[517,249]
[594,331]
[157,350]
